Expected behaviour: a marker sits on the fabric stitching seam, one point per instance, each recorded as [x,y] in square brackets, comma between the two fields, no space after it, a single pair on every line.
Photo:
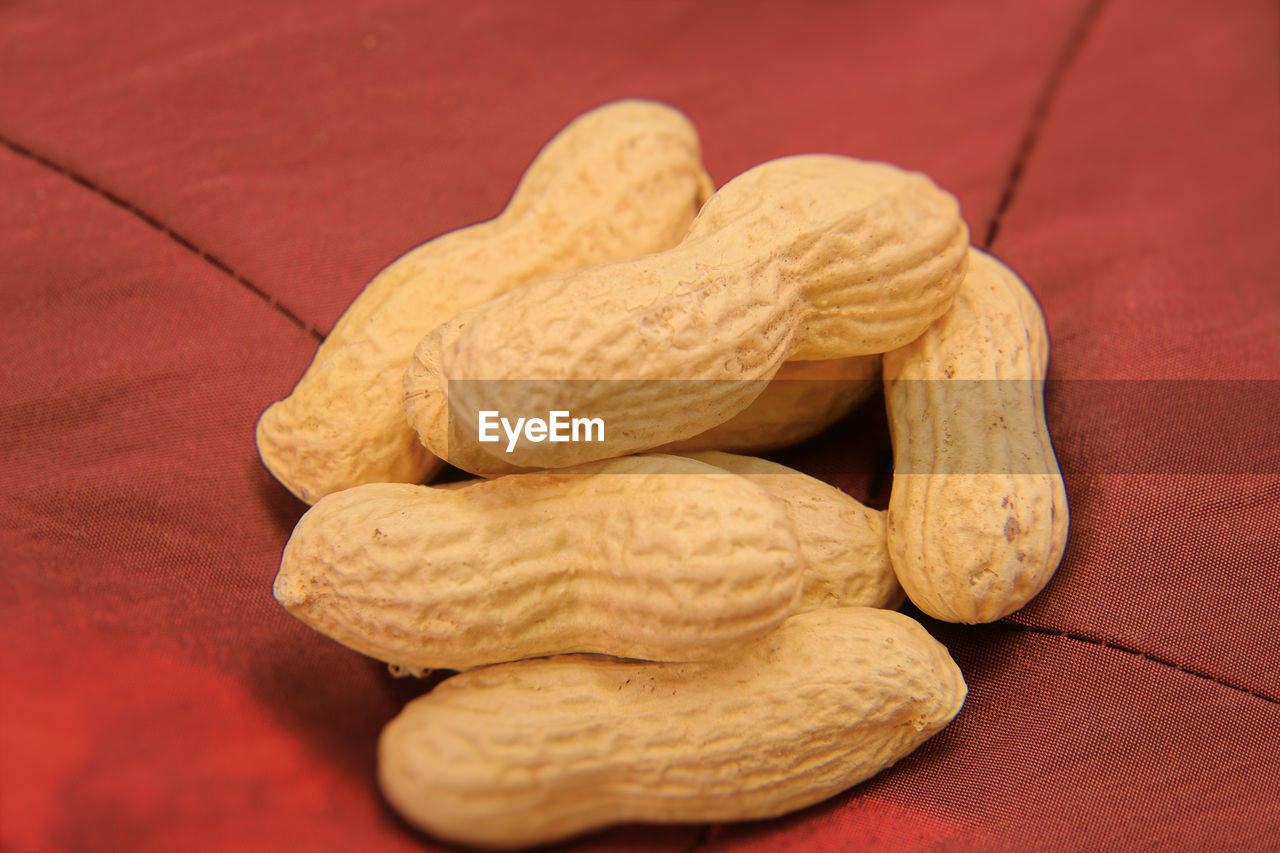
[1169,664]
[1039,112]
[154,223]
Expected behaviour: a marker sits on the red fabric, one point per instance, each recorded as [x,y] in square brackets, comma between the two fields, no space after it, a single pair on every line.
[191,192]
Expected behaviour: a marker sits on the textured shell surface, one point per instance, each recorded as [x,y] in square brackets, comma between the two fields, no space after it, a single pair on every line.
[540,750]
[621,180]
[809,257]
[978,513]
[842,541]
[653,557]
[801,400]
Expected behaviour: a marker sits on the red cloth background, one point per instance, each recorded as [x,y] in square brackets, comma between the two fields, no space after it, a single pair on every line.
[194,192]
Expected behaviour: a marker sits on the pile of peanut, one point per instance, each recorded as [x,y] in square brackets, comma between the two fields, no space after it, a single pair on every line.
[686,634]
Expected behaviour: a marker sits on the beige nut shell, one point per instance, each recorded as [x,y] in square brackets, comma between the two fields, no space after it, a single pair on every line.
[842,540]
[621,180]
[653,557]
[541,750]
[978,514]
[806,257]
[803,399]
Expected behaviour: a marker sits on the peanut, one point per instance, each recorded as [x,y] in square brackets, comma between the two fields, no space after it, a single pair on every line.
[842,541]
[621,180]
[540,750]
[978,513]
[802,400]
[806,257]
[652,557]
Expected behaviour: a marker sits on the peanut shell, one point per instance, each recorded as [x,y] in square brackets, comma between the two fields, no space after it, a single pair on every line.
[652,557]
[801,400]
[537,751]
[805,257]
[842,541]
[618,181]
[978,513]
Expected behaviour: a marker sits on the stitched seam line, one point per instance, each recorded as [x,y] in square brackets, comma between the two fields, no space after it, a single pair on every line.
[1050,632]
[154,223]
[1053,83]
[1039,112]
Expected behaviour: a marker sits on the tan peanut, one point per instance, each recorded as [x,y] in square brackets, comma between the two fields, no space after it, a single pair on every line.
[621,180]
[803,399]
[842,541]
[978,514]
[653,557]
[806,257]
[537,751]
